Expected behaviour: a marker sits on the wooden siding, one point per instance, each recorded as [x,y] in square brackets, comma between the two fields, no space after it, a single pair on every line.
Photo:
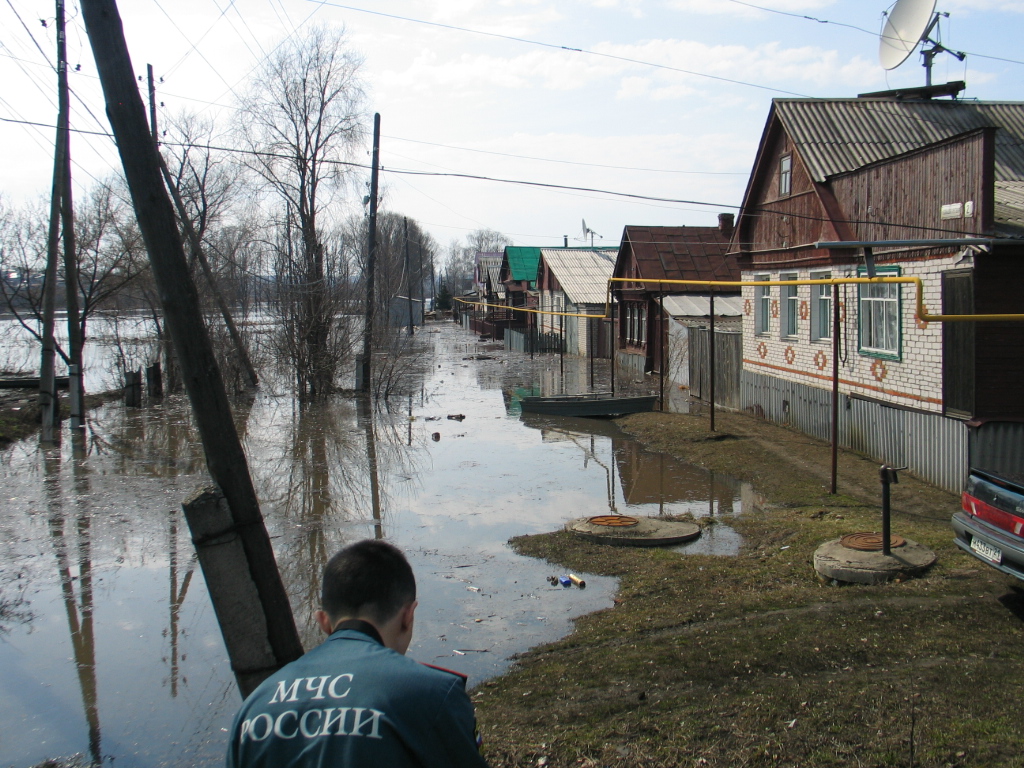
[902,199]
[778,222]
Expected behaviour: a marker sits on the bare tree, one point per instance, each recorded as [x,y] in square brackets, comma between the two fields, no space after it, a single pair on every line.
[299,121]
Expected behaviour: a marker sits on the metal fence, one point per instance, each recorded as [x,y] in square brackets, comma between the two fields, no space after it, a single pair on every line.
[526,341]
[930,445]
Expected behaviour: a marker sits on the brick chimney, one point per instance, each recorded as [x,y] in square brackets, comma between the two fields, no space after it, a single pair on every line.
[725,224]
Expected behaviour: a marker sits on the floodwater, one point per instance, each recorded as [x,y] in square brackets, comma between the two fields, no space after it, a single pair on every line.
[109,649]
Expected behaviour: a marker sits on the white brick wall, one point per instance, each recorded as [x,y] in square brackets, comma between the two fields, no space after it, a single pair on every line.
[915,379]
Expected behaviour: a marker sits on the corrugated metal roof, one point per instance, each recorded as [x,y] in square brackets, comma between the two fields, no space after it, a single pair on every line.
[680,253]
[1009,209]
[700,306]
[494,280]
[522,262]
[840,135]
[583,273]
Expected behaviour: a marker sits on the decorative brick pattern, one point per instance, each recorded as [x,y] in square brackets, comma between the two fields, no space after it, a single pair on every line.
[914,380]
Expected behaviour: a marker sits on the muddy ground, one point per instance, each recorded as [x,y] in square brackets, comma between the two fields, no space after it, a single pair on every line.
[751,660]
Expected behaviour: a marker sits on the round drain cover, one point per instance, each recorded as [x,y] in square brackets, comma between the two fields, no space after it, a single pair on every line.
[613,521]
[869,541]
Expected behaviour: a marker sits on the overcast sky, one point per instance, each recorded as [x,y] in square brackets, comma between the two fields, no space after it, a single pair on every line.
[454,100]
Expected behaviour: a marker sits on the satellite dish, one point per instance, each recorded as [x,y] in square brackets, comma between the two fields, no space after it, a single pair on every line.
[906,26]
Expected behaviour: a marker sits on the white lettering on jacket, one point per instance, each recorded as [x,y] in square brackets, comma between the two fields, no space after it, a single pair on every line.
[291,690]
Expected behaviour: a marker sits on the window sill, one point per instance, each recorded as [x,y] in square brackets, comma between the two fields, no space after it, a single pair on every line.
[880,354]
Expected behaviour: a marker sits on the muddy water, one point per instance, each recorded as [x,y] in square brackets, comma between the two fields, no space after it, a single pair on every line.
[109,647]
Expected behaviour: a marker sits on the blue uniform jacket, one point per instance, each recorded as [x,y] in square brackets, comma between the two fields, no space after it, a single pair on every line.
[353,702]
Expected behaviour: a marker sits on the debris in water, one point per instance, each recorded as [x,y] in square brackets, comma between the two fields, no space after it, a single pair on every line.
[456,416]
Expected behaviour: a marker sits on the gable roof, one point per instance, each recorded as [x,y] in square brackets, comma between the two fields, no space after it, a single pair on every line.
[494,280]
[836,136]
[522,262]
[679,253]
[582,272]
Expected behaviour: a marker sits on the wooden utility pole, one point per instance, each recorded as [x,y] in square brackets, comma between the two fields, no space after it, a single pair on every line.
[76,389]
[224,455]
[408,273]
[49,402]
[152,105]
[371,262]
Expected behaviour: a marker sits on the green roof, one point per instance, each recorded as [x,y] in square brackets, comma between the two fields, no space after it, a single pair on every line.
[522,262]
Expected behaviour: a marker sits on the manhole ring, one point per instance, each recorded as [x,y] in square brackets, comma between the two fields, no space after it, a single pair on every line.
[869,541]
[613,521]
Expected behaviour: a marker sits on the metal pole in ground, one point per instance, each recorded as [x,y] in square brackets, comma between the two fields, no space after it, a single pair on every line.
[711,354]
[662,330]
[888,475]
[835,387]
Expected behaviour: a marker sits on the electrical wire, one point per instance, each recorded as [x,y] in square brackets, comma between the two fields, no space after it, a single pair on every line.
[554,46]
[853,26]
[564,162]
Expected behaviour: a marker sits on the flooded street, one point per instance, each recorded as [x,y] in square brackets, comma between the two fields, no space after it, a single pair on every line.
[108,645]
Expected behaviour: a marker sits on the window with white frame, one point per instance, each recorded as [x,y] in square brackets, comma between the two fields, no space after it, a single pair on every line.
[821,307]
[879,315]
[642,331]
[790,305]
[785,175]
[762,305]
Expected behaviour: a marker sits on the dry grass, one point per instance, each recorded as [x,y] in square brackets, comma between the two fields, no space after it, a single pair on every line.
[750,660]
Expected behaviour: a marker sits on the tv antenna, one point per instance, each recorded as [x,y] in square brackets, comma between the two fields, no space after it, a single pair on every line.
[588,231]
[911,22]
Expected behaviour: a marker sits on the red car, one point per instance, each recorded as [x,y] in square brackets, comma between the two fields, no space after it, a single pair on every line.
[991,525]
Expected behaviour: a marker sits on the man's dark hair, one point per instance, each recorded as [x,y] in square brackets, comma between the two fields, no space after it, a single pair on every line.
[369,578]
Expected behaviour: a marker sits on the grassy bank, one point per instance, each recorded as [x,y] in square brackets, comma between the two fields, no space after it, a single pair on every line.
[750,660]
[20,412]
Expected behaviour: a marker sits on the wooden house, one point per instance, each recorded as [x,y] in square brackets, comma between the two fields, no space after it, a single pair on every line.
[904,187]
[664,253]
[575,281]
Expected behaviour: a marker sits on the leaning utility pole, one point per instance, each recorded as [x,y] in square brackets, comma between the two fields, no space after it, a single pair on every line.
[225,458]
[371,259]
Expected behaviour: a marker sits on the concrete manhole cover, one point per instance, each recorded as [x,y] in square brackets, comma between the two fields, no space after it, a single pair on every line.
[634,531]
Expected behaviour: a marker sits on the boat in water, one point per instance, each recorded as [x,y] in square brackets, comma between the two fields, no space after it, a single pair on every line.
[588,404]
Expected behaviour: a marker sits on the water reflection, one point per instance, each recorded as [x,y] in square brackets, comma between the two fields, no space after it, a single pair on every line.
[124,601]
[648,483]
[77,606]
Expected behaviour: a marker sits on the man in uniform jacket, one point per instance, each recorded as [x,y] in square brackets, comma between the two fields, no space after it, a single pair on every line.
[356,700]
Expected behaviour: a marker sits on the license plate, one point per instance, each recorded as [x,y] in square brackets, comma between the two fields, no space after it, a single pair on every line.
[986,551]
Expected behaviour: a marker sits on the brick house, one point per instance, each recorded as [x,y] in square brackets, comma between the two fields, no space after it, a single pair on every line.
[929,189]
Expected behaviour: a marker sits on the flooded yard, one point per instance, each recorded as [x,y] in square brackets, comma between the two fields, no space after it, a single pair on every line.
[109,648]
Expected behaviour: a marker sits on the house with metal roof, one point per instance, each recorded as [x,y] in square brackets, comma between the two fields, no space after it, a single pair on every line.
[888,187]
[643,309]
[574,281]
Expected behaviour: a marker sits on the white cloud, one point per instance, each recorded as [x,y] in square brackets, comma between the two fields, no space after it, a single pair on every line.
[728,8]
[972,6]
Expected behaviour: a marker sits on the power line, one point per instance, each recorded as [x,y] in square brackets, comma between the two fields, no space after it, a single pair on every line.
[853,26]
[566,162]
[554,46]
[758,211]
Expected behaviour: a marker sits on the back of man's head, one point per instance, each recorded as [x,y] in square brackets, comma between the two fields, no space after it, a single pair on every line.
[369,579]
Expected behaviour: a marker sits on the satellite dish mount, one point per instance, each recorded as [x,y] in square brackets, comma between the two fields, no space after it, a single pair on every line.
[912,22]
[588,231]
